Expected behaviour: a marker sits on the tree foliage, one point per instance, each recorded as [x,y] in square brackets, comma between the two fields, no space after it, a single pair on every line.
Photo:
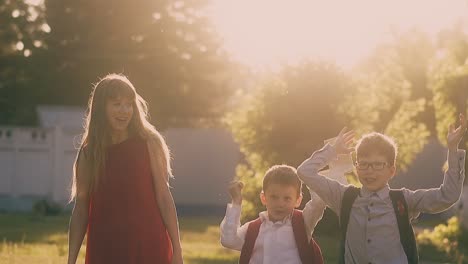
[448,80]
[447,241]
[391,96]
[405,89]
[284,119]
[167,48]
[22,33]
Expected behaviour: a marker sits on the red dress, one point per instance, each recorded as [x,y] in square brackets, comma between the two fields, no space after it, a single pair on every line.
[125,225]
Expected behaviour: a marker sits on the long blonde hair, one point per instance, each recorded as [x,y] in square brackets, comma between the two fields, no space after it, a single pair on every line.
[96,137]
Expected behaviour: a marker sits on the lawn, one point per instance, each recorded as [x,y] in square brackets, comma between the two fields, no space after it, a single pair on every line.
[30,239]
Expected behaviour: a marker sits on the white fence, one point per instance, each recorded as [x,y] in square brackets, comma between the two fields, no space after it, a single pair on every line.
[36,162]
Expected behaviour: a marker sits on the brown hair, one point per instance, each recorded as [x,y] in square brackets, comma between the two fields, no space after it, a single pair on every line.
[377,143]
[284,175]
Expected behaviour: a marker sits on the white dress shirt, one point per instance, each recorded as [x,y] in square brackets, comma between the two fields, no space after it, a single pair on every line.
[372,234]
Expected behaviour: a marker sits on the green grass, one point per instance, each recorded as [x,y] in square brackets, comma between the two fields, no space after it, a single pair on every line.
[200,242]
[29,239]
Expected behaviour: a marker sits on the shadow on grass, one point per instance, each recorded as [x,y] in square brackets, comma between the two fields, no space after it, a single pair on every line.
[28,228]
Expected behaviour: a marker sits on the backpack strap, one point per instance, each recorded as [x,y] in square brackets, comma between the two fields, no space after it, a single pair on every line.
[405,228]
[308,252]
[317,252]
[300,236]
[249,242]
[349,196]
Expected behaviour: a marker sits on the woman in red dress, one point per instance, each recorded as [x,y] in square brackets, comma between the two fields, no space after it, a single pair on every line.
[120,183]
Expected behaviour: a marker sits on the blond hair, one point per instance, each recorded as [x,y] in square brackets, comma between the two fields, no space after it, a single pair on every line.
[377,143]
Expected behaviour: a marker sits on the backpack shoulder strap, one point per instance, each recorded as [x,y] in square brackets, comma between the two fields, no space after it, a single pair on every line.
[249,242]
[317,252]
[300,235]
[308,252]
[405,228]
[349,196]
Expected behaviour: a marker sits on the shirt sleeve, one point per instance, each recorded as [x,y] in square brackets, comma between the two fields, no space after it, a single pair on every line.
[329,190]
[231,232]
[312,213]
[436,200]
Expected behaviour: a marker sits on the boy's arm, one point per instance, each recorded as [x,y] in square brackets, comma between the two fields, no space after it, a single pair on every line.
[329,190]
[439,199]
[312,213]
[232,234]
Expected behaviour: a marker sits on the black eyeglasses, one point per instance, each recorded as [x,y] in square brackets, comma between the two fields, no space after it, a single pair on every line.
[378,165]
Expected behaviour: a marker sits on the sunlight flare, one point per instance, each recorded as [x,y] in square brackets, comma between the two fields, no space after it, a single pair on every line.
[263,33]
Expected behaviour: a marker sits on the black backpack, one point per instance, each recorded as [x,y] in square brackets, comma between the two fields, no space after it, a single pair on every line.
[400,207]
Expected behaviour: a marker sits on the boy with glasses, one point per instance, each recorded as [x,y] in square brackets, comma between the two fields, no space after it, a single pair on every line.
[375,220]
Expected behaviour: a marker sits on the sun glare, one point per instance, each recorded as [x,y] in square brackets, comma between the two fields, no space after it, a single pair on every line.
[35,2]
[266,33]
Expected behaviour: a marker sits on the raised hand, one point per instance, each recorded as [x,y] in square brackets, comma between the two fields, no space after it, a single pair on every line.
[344,141]
[235,190]
[455,135]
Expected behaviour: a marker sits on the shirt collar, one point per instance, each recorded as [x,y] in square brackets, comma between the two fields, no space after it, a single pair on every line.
[382,193]
[264,217]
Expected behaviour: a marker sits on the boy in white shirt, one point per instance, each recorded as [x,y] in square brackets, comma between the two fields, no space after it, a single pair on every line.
[281,234]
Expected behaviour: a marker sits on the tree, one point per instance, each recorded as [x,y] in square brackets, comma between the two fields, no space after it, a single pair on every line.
[287,117]
[410,89]
[404,90]
[391,95]
[21,36]
[23,27]
[448,80]
[167,48]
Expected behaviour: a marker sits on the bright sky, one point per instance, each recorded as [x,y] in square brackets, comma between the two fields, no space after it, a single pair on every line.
[262,33]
